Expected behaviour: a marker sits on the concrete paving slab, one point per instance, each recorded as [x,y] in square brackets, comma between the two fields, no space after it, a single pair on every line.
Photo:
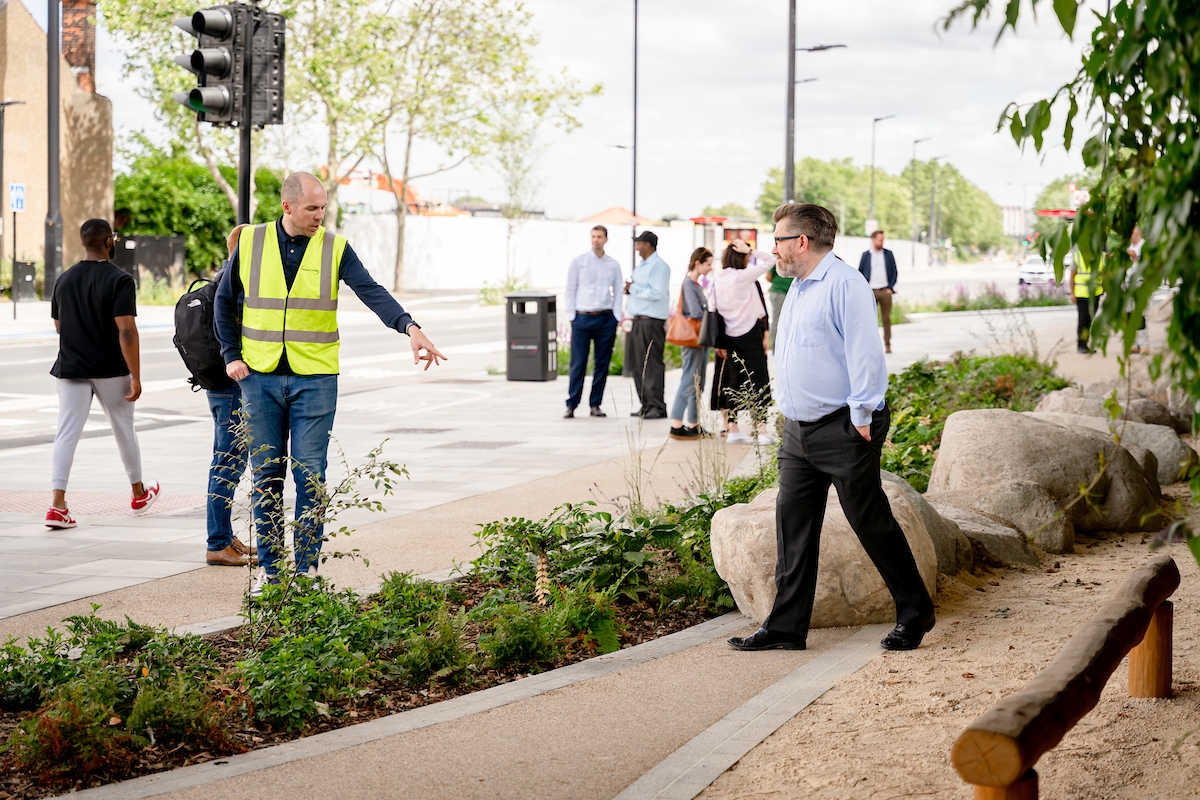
[88,586]
[28,581]
[126,568]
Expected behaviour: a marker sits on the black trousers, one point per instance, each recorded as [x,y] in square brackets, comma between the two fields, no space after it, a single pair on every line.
[811,457]
[645,358]
[1086,306]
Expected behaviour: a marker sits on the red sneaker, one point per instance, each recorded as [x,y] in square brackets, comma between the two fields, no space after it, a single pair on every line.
[140,504]
[59,518]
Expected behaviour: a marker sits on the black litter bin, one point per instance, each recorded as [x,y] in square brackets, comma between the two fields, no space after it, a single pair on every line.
[532,325]
[24,288]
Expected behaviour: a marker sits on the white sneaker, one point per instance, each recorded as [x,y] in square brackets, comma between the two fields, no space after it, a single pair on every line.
[261,581]
[312,572]
[766,438]
[739,438]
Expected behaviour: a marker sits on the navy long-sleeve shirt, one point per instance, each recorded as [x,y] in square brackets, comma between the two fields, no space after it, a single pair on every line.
[227,305]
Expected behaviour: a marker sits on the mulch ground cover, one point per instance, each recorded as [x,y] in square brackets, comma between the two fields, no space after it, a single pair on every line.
[637,623]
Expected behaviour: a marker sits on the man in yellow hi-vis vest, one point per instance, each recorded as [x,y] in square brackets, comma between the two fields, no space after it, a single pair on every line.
[1086,288]
[276,319]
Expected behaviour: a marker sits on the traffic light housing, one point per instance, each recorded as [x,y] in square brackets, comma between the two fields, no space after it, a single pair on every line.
[238,61]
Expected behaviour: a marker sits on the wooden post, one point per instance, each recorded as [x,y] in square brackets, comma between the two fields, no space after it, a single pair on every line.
[1026,788]
[1150,661]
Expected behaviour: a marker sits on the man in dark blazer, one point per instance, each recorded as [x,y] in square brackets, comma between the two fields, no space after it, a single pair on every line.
[878,266]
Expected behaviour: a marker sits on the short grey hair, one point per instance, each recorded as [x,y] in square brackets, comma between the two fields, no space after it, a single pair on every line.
[293,186]
[816,222]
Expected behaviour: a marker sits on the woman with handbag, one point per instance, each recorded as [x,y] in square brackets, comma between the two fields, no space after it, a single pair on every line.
[740,378]
[684,330]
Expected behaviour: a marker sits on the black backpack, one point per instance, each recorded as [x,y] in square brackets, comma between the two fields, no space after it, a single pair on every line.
[196,337]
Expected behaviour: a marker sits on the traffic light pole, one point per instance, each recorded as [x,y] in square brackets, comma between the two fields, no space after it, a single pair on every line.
[246,125]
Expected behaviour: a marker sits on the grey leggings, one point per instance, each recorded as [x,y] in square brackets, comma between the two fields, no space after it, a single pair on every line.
[74,403]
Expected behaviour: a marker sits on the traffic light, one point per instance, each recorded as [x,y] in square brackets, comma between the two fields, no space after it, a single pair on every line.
[219,61]
[267,51]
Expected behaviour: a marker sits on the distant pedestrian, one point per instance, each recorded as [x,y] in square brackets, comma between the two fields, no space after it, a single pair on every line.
[94,306]
[740,378]
[229,457]
[1087,288]
[832,379]
[878,266]
[776,295]
[685,417]
[1141,341]
[276,317]
[592,305]
[649,306]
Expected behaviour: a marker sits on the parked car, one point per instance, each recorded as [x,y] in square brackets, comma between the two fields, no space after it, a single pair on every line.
[1034,270]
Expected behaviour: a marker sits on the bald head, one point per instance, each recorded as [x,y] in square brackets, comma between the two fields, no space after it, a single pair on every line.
[303,199]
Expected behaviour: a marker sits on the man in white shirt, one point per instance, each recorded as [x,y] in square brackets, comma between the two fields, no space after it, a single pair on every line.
[878,266]
[592,304]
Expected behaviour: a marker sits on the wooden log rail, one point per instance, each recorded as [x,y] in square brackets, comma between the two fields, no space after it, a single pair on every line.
[997,751]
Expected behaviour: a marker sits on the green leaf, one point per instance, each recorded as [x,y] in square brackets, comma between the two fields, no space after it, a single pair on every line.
[1037,121]
[1068,127]
[1066,11]
[1018,130]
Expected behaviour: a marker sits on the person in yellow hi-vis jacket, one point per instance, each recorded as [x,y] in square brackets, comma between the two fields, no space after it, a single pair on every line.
[1087,288]
[276,319]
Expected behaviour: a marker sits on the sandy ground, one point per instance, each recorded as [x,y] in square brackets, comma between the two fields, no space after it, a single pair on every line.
[886,731]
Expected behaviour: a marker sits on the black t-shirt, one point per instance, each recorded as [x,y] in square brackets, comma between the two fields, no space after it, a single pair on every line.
[87,299]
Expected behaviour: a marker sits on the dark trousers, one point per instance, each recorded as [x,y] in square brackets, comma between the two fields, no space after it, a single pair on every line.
[645,358]
[587,329]
[228,464]
[811,457]
[1086,306]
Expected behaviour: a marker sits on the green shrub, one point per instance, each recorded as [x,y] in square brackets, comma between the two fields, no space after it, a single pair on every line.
[590,615]
[437,654]
[299,674]
[180,712]
[523,637]
[74,733]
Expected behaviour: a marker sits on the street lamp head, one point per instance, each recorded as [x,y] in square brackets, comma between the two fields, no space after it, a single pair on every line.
[918,141]
[819,48]
[805,80]
[13,103]
[881,119]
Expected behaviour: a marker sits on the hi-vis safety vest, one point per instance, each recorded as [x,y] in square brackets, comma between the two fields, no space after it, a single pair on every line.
[1086,285]
[304,319]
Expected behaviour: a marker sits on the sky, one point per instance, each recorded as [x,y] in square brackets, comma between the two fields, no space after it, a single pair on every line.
[712,80]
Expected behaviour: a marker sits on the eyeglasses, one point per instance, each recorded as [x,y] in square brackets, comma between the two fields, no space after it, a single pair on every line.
[779,239]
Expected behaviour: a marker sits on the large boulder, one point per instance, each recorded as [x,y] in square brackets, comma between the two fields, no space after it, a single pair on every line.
[1173,455]
[1073,401]
[995,447]
[954,551]
[1002,543]
[1149,465]
[849,588]
[1155,413]
[1024,505]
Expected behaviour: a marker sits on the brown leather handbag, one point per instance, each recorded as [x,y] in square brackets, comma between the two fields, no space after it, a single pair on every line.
[682,330]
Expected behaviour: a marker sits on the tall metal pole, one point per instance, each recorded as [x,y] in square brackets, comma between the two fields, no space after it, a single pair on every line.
[789,154]
[913,169]
[932,206]
[633,256]
[245,124]
[54,221]
[875,121]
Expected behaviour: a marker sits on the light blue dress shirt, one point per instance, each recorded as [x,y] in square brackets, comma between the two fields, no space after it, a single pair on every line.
[593,284]
[827,350]
[649,295]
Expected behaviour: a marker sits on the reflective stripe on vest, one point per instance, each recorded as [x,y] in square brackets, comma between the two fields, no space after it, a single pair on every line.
[303,318]
[1084,285]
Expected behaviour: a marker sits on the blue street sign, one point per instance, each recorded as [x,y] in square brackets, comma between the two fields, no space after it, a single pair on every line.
[16,197]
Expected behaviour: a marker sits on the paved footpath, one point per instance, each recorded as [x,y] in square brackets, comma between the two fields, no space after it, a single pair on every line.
[662,719]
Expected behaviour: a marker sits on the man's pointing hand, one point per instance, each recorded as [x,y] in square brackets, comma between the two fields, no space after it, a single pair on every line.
[419,342]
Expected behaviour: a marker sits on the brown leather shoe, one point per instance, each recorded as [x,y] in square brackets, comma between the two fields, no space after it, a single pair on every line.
[252,550]
[229,557]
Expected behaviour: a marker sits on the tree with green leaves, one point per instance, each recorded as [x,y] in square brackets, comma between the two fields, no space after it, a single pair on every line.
[727,210]
[1138,84]
[462,78]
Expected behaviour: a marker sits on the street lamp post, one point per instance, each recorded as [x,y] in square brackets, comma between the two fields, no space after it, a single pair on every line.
[789,146]
[875,121]
[54,221]
[933,208]
[633,222]
[3,107]
[914,199]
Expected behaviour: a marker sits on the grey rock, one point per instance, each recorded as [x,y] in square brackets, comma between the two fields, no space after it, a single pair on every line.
[1155,413]
[1003,544]
[849,588]
[1149,464]
[953,549]
[1173,455]
[990,446]
[1073,401]
[1024,505]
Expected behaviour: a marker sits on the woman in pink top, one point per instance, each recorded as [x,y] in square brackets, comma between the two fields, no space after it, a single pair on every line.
[742,381]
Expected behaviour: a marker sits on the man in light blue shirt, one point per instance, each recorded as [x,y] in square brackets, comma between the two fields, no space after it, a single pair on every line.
[592,304]
[648,306]
[832,379]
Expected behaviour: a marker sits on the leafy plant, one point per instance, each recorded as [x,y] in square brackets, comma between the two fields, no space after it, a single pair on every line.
[438,654]
[521,636]
[180,712]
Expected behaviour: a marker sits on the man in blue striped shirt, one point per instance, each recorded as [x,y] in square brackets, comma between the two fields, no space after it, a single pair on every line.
[649,307]
[832,379]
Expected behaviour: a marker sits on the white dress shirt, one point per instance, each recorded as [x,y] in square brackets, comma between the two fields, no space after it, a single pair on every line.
[735,297]
[878,269]
[593,284]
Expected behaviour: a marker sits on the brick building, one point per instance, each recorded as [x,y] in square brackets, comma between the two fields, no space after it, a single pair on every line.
[85,128]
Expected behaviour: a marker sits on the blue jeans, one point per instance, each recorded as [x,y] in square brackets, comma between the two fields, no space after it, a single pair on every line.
[228,464]
[691,383]
[279,408]
[585,329]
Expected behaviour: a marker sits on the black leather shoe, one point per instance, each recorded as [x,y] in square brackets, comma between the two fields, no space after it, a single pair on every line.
[654,415]
[636,414]
[570,414]
[907,637]
[595,412]
[762,639]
